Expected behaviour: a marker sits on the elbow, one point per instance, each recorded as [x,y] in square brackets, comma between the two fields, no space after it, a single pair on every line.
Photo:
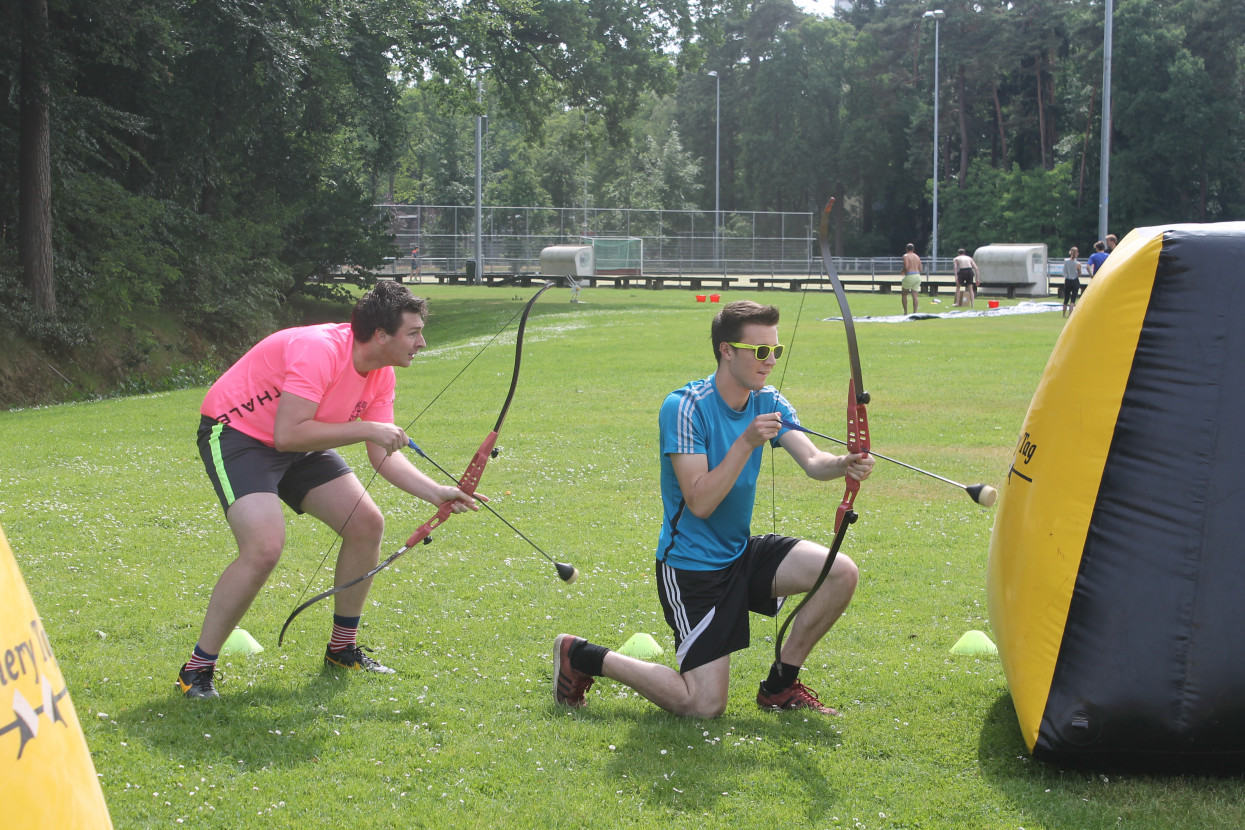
[283,441]
[699,511]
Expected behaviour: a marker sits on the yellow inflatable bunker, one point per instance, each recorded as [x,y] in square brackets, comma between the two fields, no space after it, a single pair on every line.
[47,779]
[1116,577]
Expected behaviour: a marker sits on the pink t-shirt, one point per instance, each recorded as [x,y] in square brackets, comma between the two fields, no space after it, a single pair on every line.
[313,362]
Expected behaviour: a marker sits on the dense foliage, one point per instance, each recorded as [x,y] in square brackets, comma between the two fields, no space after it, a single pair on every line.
[215,157]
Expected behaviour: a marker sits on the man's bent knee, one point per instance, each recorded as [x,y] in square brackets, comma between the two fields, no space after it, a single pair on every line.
[261,555]
[366,525]
[846,571]
[705,708]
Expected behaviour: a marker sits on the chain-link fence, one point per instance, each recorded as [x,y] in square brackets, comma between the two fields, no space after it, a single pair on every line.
[675,241]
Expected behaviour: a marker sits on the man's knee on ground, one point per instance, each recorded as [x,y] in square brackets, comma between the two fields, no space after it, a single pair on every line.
[706,707]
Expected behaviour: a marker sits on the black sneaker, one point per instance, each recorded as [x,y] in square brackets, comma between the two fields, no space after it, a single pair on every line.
[352,657]
[197,683]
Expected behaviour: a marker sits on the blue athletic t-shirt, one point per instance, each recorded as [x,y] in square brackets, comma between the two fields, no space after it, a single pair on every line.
[1096,259]
[695,420]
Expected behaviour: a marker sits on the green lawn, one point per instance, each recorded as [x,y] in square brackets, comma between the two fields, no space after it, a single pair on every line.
[120,540]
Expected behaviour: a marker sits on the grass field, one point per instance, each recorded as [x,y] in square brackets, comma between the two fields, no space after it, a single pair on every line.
[120,540]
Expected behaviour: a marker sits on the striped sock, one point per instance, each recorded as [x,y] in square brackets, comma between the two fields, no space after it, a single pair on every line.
[345,632]
[200,659]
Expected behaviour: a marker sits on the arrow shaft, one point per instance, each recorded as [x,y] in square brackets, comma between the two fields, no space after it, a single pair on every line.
[411,443]
[875,454]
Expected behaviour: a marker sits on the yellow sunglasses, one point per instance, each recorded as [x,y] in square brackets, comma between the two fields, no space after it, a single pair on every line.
[761,352]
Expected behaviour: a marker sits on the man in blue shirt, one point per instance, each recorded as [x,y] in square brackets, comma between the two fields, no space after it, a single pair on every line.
[710,570]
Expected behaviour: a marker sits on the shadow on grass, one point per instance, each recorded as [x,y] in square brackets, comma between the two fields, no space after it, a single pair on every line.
[276,724]
[1054,795]
[690,765]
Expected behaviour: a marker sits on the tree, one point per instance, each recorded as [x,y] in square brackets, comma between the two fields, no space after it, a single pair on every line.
[1179,131]
[243,144]
[661,176]
[35,206]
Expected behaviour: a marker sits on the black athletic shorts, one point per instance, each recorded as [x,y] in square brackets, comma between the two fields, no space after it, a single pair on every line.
[239,465]
[965,276]
[708,610]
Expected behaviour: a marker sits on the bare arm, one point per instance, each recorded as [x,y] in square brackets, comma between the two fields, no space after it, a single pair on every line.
[296,429]
[703,489]
[821,465]
[399,471]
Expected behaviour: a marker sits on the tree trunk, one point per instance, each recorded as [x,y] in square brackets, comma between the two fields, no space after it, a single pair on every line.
[1202,192]
[1089,123]
[963,113]
[34,210]
[1041,108]
[998,117]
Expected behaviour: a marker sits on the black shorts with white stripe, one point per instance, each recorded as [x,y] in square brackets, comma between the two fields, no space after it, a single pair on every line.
[708,610]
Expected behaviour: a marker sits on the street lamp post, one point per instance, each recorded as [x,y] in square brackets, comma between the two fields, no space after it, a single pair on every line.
[936,15]
[1104,172]
[480,121]
[717,166]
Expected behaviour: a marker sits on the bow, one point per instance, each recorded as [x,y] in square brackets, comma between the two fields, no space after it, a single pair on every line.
[857,424]
[568,573]
[468,482]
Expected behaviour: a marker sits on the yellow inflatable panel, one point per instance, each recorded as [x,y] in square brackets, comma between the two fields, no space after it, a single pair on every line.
[1043,514]
[1114,575]
[47,779]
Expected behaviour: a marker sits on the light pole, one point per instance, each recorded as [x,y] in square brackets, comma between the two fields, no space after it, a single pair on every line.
[936,15]
[717,164]
[1104,172]
[480,121]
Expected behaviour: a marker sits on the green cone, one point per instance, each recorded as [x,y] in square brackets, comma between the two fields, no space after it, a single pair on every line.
[241,642]
[641,646]
[974,643]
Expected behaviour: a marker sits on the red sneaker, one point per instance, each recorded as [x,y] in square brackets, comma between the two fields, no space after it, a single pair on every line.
[797,696]
[569,685]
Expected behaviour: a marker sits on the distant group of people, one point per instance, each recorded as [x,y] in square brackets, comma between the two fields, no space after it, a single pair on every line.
[1072,270]
[967,278]
[968,275]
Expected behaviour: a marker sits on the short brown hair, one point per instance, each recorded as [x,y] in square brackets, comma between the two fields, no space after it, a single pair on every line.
[382,308]
[729,323]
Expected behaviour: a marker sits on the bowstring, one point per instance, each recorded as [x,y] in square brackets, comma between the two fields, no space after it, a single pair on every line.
[376,470]
[773,481]
[773,474]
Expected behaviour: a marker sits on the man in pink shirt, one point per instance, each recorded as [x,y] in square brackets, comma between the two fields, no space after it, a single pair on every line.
[266,435]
